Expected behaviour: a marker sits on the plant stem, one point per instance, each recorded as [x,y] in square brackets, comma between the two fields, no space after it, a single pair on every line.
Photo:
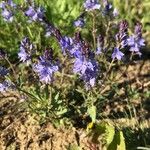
[94,30]
[11,66]
[50,96]
[109,68]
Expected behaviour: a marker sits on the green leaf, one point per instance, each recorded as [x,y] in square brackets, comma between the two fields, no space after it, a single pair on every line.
[106,131]
[109,134]
[118,143]
[74,147]
[92,113]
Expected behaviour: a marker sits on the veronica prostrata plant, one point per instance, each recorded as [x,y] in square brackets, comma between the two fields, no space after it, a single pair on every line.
[70,77]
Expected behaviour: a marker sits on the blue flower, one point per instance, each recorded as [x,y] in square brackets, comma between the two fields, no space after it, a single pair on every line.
[117,54]
[5,85]
[65,43]
[35,14]
[107,7]
[136,41]
[7,15]
[25,49]
[90,5]
[76,50]
[79,22]
[10,3]
[3,71]
[45,70]
[86,69]
[6,12]
[135,44]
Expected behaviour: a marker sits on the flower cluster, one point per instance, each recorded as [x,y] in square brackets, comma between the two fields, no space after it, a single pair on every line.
[75,48]
[45,68]
[87,69]
[85,64]
[6,12]
[136,41]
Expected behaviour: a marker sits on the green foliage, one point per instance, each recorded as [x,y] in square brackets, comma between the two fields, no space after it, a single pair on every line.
[92,113]
[118,142]
[105,132]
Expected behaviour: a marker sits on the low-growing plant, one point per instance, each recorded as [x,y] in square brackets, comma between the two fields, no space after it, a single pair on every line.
[69,76]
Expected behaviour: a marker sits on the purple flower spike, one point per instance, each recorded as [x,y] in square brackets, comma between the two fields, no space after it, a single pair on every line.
[117,54]
[90,5]
[135,44]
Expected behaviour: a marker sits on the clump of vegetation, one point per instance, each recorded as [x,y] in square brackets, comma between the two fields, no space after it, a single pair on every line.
[71,74]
